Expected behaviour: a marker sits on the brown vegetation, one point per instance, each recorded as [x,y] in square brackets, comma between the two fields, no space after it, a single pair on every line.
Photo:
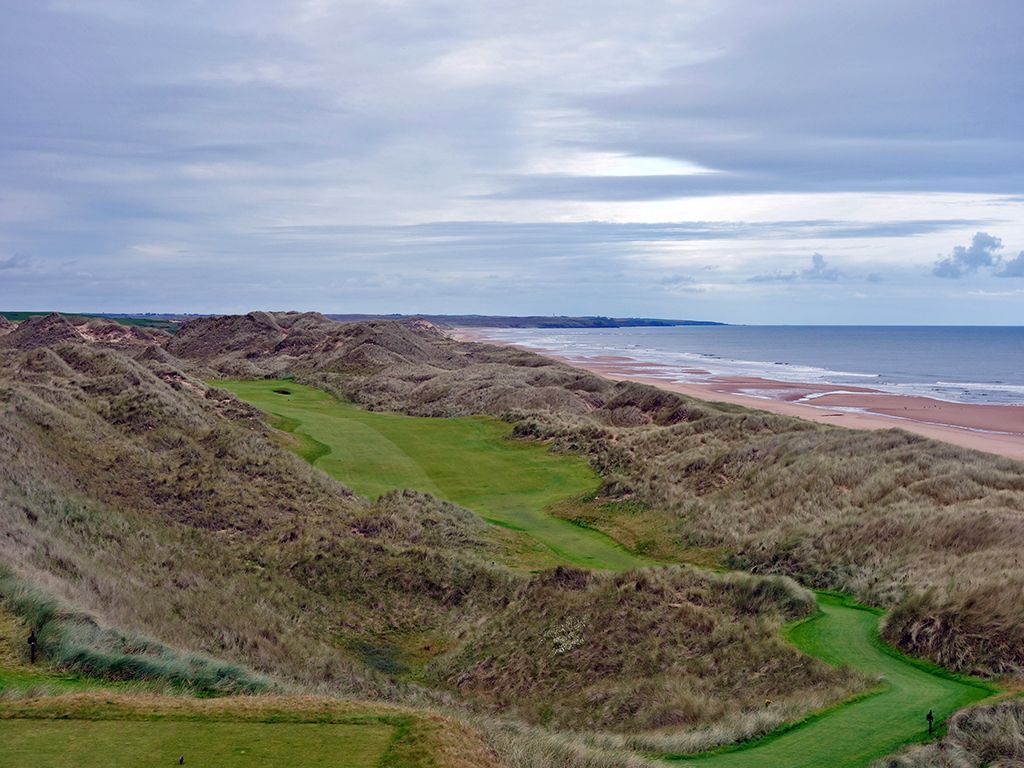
[667,648]
[922,527]
[126,477]
[900,521]
[989,735]
[163,515]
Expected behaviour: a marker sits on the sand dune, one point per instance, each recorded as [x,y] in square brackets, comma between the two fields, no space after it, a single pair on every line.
[995,429]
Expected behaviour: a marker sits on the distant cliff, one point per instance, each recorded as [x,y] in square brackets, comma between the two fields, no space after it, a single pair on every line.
[530,321]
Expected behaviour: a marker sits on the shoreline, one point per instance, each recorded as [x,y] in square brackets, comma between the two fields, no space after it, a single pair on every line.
[997,429]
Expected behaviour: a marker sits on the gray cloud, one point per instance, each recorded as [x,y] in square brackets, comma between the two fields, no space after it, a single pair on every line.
[387,156]
[966,260]
[531,233]
[1013,267]
[819,270]
[794,102]
[16,261]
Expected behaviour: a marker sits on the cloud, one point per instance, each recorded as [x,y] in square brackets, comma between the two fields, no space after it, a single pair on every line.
[1013,268]
[386,156]
[966,260]
[14,262]
[819,270]
[792,101]
[596,232]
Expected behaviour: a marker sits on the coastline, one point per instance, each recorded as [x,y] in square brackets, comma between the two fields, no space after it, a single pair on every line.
[997,429]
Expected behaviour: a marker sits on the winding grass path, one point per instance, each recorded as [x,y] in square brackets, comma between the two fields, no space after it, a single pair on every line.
[854,734]
[469,461]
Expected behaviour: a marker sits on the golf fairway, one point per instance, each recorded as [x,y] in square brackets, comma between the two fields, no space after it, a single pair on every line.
[866,729]
[467,460]
[464,460]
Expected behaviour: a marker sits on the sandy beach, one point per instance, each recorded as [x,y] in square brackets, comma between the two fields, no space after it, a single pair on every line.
[997,429]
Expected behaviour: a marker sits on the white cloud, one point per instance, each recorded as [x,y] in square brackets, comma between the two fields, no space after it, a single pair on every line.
[150,132]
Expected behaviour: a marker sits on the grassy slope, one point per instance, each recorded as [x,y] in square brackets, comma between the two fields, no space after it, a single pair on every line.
[466,460]
[103,727]
[449,456]
[87,721]
[870,727]
[85,737]
[16,674]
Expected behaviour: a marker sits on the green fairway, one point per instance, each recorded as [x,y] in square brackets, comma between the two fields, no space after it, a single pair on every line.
[466,460]
[111,744]
[469,461]
[864,730]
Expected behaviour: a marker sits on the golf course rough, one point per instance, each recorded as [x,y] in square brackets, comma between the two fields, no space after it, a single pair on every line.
[469,461]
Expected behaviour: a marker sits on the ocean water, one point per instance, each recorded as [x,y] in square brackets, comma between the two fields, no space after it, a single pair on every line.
[959,364]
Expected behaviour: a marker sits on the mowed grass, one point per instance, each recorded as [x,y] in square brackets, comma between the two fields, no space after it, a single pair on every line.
[466,460]
[113,743]
[871,727]
[49,719]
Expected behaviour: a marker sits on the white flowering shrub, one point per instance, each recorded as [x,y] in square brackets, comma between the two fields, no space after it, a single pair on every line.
[567,636]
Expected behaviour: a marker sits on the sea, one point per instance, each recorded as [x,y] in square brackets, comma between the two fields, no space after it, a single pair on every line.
[969,364]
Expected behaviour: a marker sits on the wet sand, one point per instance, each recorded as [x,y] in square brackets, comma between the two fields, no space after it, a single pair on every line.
[997,429]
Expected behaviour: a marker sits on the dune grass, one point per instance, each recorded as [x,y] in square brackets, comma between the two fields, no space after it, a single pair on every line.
[469,461]
[18,675]
[466,460]
[112,743]
[870,727]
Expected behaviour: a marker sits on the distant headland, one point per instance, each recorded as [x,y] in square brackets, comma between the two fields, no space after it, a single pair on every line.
[531,321]
[170,321]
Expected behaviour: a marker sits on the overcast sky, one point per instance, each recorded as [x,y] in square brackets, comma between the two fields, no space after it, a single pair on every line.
[755,162]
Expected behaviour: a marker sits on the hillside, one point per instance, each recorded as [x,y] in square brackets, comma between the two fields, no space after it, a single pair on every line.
[161,322]
[903,522]
[129,476]
[48,330]
[126,477]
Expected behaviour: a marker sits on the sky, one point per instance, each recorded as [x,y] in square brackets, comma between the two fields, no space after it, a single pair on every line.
[796,161]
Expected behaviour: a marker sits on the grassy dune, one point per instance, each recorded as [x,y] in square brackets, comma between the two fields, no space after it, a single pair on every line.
[124,477]
[469,461]
[466,460]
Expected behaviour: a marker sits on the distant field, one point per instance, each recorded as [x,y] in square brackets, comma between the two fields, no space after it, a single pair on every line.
[465,460]
[143,322]
[113,744]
